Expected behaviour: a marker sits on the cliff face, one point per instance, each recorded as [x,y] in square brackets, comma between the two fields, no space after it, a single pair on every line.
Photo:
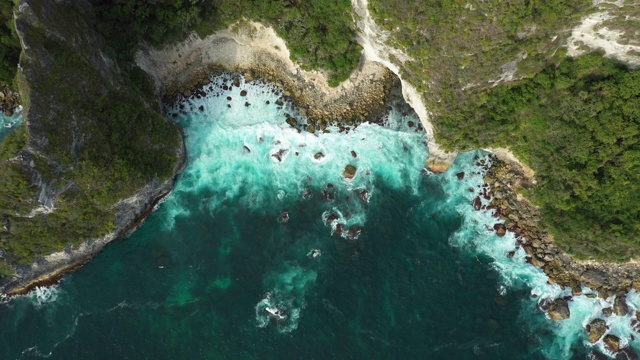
[95,152]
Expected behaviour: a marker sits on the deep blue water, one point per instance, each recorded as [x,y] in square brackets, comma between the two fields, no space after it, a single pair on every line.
[403,266]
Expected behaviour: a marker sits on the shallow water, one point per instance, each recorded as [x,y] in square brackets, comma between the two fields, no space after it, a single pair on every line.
[393,263]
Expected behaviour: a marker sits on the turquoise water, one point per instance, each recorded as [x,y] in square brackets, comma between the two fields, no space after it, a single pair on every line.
[9,124]
[393,263]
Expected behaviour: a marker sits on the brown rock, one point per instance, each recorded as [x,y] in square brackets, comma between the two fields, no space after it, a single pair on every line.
[318,156]
[607,311]
[500,229]
[460,175]
[477,203]
[596,329]
[559,310]
[243,93]
[612,343]
[349,171]
[620,306]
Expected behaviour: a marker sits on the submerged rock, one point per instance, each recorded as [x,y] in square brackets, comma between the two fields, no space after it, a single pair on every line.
[596,329]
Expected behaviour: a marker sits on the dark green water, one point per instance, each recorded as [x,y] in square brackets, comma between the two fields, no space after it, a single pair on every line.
[424,279]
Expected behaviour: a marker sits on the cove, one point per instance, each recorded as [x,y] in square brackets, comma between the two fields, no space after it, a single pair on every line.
[393,263]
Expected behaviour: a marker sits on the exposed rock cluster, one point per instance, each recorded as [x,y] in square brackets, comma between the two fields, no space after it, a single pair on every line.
[9,100]
[523,219]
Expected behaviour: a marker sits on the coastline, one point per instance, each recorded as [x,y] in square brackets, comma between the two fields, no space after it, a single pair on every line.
[504,178]
[131,212]
[256,51]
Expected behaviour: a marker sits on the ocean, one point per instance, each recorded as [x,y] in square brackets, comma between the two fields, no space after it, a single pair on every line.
[265,250]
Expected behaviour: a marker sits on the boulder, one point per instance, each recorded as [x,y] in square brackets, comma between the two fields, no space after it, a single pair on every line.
[500,229]
[620,306]
[558,310]
[612,343]
[318,156]
[607,311]
[349,171]
[596,328]
[477,203]
[460,175]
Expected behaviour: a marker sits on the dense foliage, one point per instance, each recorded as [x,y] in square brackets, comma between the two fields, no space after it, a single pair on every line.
[578,125]
[457,45]
[98,140]
[319,33]
[9,43]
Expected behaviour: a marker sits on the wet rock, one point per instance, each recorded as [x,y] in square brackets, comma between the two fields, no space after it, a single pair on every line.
[349,171]
[608,311]
[500,229]
[477,203]
[595,355]
[353,153]
[279,102]
[339,229]
[246,149]
[243,93]
[620,306]
[596,328]
[236,82]
[627,354]
[411,124]
[318,156]
[247,104]
[557,309]
[291,121]
[460,175]
[354,232]
[635,325]
[333,217]
[280,154]
[229,98]
[284,216]
[612,343]
[363,195]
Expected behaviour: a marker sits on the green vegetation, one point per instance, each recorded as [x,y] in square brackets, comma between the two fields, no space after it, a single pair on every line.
[458,44]
[9,43]
[98,138]
[319,33]
[578,126]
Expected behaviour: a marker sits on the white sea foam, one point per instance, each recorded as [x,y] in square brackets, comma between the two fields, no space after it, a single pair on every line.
[476,235]
[231,153]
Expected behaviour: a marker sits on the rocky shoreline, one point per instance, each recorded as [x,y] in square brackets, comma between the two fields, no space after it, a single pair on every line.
[254,51]
[523,219]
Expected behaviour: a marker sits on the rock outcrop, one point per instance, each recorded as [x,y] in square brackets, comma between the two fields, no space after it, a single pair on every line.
[596,328]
